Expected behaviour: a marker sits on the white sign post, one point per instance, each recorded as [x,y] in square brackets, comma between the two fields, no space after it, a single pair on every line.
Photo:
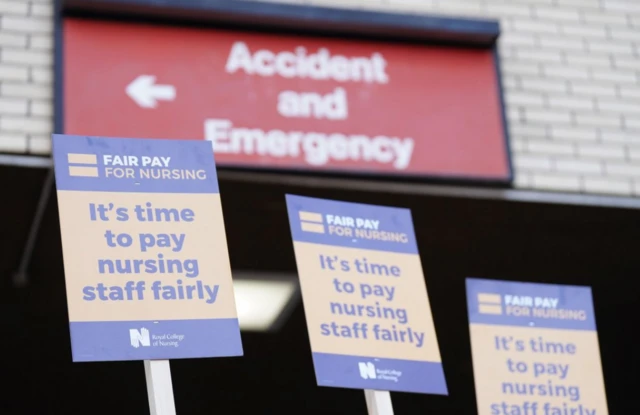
[378,402]
[159,387]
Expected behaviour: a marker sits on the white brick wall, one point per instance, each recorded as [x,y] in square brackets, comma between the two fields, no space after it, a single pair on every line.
[571,71]
[26,76]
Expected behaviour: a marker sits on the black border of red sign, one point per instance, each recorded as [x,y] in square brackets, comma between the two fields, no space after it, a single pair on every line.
[289,18]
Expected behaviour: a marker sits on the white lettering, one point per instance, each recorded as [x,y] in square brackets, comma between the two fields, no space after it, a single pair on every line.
[317,148]
[216,132]
[239,58]
[310,104]
[285,64]
[155,161]
[277,143]
[317,66]
[262,61]
[109,159]
[379,64]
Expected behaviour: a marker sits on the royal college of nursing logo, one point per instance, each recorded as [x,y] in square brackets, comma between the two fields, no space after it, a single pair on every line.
[367,370]
[143,338]
[139,337]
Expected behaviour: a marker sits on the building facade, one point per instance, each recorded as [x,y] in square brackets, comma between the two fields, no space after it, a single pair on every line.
[571,84]
[571,78]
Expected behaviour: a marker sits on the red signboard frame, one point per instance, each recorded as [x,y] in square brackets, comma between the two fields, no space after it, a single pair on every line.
[479,161]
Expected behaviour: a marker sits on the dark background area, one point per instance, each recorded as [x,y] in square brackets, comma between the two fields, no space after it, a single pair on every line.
[457,237]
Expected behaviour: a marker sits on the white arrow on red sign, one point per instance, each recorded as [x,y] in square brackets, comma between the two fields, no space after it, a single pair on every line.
[146,93]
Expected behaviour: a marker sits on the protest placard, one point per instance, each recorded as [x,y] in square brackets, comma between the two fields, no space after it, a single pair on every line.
[145,255]
[365,297]
[535,349]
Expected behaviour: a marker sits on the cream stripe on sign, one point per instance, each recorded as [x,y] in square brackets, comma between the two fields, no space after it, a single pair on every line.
[310,216]
[83,171]
[312,227]
[489,298]
[490,309]
[82,158]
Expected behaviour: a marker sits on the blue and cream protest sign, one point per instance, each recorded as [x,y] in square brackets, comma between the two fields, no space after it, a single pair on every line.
[535,349]
[365,297]
[146,263]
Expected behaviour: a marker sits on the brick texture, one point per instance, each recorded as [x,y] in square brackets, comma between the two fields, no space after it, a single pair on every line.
[571,74]
[26,73]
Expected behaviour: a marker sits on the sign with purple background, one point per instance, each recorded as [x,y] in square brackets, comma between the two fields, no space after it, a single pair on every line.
[365,298]
[145,255]
[535,349]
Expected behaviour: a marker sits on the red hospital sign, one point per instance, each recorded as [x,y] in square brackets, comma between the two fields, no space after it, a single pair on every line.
[289,102]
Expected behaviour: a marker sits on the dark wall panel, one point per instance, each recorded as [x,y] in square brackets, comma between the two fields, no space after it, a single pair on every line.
[457,238]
